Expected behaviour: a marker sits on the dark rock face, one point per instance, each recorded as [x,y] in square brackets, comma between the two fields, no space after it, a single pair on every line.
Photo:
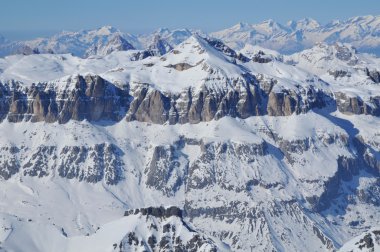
[9,164]
[260,58]
[287,102]
[40,163]
[166,169]
[104,159]
[92,98]
[248,99]
[347,167]
[153,108]
[256,220]
[101,162]
[165,232]
[355,105]
[160,212]
[205,172]
[220,46]
[343,53]
[374,75]
[158,47]
[339,74]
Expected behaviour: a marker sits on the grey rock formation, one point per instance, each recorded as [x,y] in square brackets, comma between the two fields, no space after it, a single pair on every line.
[92,98]
[93,164]
[166,225]
[355,105]
[374,75]
[166,170]
[260,58]
[41,162]
[9,164]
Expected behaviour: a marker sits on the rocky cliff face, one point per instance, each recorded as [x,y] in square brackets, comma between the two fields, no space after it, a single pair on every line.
[101,162]
[355,105]
[91,98]
[168,231]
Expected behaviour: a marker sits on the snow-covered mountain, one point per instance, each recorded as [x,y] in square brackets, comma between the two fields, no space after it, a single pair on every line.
[196,148]
[83,43]
[362,32]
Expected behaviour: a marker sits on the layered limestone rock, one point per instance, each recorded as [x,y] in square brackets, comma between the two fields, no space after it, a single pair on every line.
[101,162]
[247,99]
[93,164]
[166,170]
[355,105]
[90,98]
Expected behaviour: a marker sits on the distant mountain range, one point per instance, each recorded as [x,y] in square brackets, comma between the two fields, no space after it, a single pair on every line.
[362,32]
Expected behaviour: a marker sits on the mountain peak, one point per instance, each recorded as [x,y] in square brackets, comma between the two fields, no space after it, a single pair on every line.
[106,30]
[159,46]
[306,24]
[361,19]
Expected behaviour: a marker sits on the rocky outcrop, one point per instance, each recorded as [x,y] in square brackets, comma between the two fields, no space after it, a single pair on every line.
[355,105]
[167,232]
[91,164]
[370,194]
[149,106]
[89,97]
[260,57]
[347,168]
[287,102]
[208,170]
[41,162]
[339,73]
[374,75]
[368,241]
[166,170]
[180,66]
[101,162]
[160,212]
[92,98]
[9,164]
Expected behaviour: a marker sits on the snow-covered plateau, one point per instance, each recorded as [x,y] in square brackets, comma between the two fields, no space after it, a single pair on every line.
[178,142]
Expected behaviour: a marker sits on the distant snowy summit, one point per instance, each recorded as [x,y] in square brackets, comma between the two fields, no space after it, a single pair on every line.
[362,32]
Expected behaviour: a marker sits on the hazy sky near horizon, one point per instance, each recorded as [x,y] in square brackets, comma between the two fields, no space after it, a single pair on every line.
[21,19]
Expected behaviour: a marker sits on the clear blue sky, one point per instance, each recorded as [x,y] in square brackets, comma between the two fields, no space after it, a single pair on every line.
[29,18]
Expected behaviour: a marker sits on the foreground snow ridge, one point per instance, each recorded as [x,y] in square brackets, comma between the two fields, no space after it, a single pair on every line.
[190,145]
